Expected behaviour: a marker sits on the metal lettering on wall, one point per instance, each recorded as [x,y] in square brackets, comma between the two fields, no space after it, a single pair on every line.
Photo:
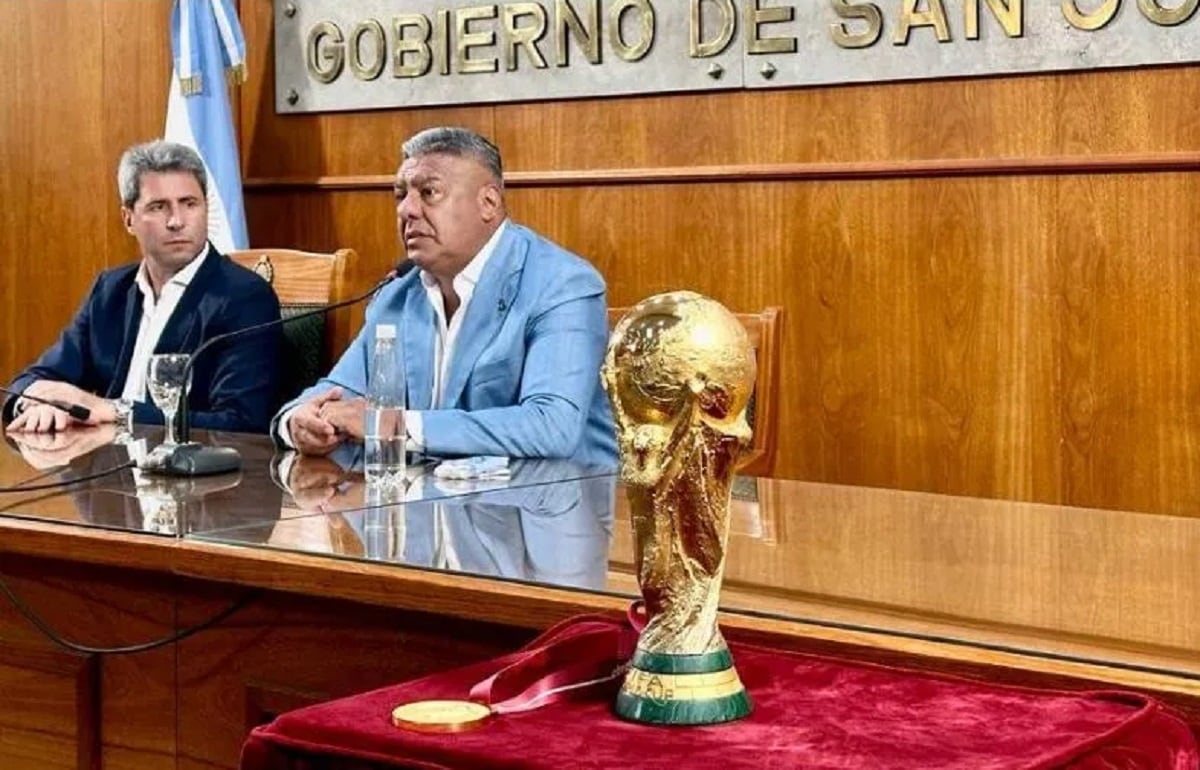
[362,54]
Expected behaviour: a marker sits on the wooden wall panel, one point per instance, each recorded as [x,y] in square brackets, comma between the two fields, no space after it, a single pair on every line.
[84,79]
[819,125]
[50,135]
[137,71]
[325,221]
[1125,112]
[893,343]
[1129,296]
[1108,113]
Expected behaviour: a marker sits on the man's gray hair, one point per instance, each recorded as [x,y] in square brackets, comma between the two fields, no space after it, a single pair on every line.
[460,142]
[156,157]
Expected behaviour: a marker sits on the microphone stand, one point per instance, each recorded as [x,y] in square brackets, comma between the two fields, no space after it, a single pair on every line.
[190,458]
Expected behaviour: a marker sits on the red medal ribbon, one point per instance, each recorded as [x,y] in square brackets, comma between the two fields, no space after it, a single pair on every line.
[637,616]
[582,656]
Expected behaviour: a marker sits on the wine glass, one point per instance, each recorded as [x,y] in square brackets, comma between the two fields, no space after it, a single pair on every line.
[167,388]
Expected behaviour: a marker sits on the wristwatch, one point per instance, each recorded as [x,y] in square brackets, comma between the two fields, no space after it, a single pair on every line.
[123,408]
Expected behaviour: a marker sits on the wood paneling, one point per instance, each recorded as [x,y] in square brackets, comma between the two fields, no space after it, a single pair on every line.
[83,79]
[325,223]
[1127,291]
[137,70]
[50,132]
[1117,112]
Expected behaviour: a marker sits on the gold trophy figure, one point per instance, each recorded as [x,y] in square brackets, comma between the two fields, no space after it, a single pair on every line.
[679,373]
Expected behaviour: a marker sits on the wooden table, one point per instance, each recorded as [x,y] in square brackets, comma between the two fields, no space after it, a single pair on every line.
[336,592]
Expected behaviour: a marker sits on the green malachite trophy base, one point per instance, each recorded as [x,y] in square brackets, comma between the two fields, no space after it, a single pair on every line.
[667,689]
[683,712]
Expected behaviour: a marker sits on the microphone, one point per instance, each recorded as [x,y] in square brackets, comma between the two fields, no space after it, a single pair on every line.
[189,458]
[81,413]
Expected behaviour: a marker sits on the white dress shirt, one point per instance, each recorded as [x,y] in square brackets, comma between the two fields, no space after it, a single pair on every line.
[446,334]
[156,312]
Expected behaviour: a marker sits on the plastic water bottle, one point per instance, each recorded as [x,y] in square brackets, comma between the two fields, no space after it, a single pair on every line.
[384,434]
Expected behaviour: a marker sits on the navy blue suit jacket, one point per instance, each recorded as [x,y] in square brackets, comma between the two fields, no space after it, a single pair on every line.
[235,385]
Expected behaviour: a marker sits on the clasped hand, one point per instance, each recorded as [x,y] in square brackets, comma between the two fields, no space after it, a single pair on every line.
[319,425]
[317,483]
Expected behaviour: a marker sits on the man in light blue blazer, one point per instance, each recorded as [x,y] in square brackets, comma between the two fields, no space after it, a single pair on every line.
[503,332]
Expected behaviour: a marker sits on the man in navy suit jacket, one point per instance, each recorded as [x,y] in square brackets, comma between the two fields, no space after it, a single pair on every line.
[503,332]
[180,294]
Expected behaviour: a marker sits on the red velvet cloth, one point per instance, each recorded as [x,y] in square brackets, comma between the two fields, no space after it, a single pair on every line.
[809,712]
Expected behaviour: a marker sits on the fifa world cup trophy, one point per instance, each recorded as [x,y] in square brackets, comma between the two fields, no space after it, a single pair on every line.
[679,373]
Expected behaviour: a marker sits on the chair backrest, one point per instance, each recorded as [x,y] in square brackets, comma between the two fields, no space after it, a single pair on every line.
[304,281]
[763,330]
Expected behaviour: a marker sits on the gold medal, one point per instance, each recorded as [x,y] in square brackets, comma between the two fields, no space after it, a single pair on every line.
[440,716]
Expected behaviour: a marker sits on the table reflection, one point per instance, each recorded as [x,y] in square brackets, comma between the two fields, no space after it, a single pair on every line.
[47,451]
[335,482]
[97,486]
[100,490]
[543,524]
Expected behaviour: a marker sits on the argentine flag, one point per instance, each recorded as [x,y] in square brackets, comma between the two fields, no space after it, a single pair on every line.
[208,47]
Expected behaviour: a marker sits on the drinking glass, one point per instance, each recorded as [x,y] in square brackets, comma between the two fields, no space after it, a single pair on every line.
[167,388]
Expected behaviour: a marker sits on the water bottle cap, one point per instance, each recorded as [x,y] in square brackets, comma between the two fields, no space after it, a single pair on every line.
[385,331]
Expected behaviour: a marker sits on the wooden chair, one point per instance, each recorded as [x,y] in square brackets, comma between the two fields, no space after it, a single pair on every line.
[304,281]
[763,330]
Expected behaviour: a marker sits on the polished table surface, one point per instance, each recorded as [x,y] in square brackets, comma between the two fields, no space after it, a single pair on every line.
[1116,591]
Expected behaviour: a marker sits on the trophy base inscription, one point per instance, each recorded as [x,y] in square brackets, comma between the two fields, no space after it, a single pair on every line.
[669,689]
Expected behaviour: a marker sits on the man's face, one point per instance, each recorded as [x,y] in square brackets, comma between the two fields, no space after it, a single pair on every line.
[169,218]
[446,209]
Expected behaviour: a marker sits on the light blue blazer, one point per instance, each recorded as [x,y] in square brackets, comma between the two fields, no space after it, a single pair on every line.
[524,379]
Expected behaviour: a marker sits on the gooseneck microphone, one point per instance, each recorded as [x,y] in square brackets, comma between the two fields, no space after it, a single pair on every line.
[81,413]
[189,458]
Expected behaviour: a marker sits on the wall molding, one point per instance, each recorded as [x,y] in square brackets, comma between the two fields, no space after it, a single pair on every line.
[784,172]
